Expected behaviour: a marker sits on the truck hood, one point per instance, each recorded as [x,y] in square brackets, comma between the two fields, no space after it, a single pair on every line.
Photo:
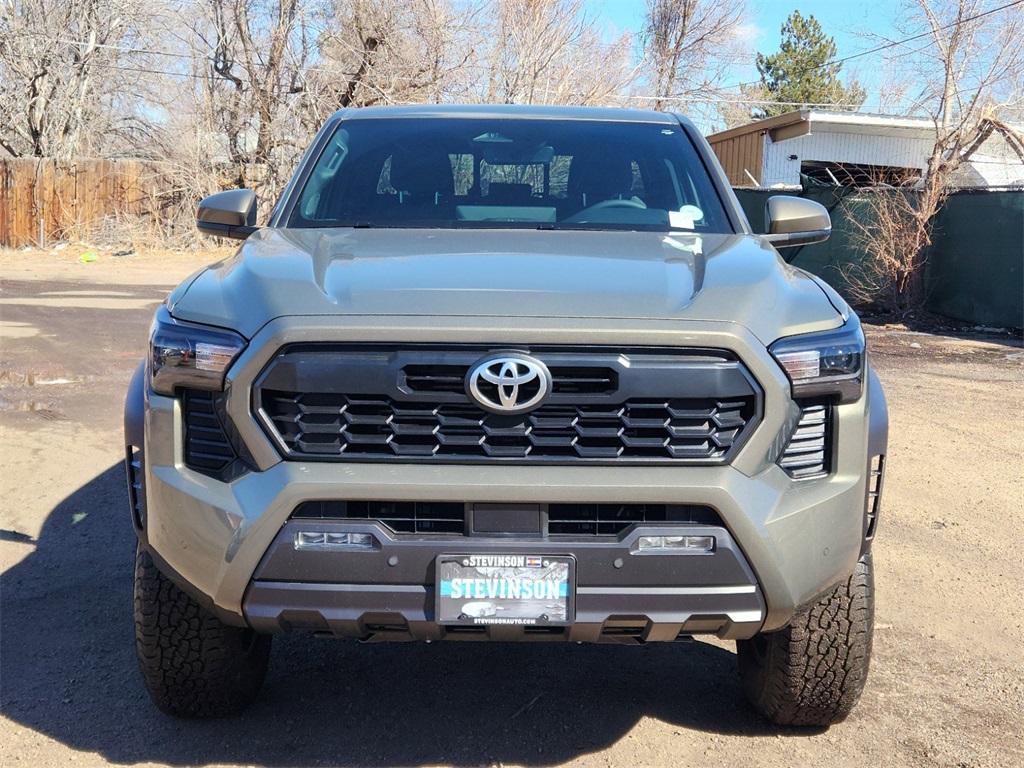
[507,274]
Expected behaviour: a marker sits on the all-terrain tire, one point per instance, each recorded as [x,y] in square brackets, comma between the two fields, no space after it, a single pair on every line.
[812,672]
[193,664]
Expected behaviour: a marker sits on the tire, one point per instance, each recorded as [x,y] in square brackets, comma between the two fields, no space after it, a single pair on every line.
[192,664]
[812,672]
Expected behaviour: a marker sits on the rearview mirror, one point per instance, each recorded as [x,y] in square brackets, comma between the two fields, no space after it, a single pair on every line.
[795,221]
[228,214]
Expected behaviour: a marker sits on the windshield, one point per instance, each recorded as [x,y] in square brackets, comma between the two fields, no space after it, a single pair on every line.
[549,174]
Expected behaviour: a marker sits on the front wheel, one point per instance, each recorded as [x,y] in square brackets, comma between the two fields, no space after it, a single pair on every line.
[192,663]
[812,672]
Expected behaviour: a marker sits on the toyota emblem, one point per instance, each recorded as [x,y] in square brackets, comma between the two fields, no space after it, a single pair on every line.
[508,383]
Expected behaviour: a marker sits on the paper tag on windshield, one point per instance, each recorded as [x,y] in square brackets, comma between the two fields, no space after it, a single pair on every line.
[685,218]
[680,220]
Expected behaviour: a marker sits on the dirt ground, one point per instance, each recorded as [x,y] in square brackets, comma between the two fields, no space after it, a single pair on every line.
[946,686]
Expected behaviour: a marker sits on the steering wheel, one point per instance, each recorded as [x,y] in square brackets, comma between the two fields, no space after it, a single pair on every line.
[615,203]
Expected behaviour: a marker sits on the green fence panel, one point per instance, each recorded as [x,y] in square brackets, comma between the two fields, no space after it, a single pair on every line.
[976,265]
[975,268]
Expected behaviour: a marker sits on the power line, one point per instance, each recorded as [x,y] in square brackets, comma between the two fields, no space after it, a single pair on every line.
[630,97]
[166,72]
[104,46]
[185,56]
[719,100]
[894,43]
[707,100]
[832,62]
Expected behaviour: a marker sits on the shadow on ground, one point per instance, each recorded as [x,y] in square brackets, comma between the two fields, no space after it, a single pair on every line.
[69,673]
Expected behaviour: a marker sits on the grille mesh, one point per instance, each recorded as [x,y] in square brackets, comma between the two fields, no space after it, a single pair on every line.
[399,516]
[329,425]
[610,519]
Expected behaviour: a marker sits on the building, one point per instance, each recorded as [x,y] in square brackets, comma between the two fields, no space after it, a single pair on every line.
[855,149]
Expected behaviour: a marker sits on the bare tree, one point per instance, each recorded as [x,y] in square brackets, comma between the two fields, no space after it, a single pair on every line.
[397,51]
[972,70]
[688,45]
[69,78]
[252,55]
[552,52]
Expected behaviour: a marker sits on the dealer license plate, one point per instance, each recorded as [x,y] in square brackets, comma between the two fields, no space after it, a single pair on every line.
[505,589]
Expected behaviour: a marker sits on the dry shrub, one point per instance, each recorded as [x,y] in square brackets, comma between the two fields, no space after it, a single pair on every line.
[893,236]
[163,214]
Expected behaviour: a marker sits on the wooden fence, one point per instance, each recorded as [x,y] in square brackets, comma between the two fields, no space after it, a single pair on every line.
[43,200]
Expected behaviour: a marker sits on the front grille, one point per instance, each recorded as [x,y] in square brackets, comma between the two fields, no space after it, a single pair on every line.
[808,452]
[351,402]
[611,519]
[330,425]
[399,516]
[435,378]
[207,447]
[564,380]
[562,519]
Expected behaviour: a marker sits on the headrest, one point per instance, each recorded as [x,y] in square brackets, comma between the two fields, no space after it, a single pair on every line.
[422,172]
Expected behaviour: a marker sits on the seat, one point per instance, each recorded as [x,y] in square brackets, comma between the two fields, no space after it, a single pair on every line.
[593,179]
[504,193]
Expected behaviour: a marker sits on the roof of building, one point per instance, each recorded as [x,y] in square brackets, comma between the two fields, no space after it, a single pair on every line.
[802,121]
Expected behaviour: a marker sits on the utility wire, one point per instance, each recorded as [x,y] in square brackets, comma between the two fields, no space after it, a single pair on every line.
[831,62]
[894,43]
[708,100]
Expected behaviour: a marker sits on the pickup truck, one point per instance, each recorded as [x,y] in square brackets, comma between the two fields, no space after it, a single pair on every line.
[506,373]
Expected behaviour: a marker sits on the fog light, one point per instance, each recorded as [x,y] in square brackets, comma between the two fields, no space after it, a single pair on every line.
[322,540]
[681,544]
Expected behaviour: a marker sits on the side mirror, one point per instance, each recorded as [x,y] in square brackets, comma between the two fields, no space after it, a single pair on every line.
[228,214]
[795,221]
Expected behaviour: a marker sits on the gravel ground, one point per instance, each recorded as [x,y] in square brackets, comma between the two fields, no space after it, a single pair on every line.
[945,689]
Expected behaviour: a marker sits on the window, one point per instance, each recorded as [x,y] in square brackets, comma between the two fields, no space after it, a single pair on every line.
[462,172]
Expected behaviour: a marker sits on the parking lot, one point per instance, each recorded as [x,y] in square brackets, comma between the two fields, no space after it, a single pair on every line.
[946,686]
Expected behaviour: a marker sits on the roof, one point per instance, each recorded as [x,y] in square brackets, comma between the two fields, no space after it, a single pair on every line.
[512,111]
[803,121]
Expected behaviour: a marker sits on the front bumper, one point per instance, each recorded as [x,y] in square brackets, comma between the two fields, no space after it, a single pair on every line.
[387,593]
[789,540]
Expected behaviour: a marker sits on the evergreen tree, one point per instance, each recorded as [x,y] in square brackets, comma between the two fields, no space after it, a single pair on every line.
[800,72]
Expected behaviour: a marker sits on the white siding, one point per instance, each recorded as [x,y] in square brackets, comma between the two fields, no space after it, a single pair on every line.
[995,164]
[828,146]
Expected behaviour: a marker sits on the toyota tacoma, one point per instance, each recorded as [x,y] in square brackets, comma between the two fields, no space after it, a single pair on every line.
[511,374]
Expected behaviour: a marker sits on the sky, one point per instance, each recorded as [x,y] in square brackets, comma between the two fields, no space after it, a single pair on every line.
[856,25]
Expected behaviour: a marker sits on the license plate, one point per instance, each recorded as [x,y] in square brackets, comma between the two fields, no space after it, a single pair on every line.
[505,589]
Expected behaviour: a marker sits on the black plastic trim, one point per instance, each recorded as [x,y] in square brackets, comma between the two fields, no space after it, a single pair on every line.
[213,447]
[810,409]
[561,520]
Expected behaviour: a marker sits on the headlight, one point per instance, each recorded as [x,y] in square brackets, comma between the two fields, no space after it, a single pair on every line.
[188,355]
[830,363]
